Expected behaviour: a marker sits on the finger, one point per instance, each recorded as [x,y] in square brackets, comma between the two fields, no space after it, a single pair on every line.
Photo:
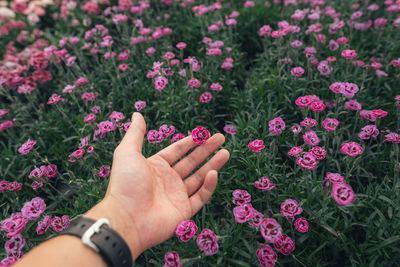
[215,163]
[133,139]
[177,150]
[198,200]
[194,159]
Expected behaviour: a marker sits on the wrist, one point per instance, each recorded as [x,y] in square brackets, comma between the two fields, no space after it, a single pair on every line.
[120,222]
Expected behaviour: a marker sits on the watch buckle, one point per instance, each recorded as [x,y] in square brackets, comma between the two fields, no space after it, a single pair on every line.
[94,228]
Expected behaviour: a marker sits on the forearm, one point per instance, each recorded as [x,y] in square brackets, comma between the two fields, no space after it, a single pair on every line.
[67,250]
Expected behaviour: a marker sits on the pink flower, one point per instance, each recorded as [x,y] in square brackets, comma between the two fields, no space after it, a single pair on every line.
[257,218]
[240,197]
[297,71]
[81,81]
[265,30]
[290,208]
[216,87]
[379,113]
[352,149]
[104,171]
[14,186]
[154,136]
[88,96]
[243,213]
[317,106]
[330,124]
[285,245]
[334,178]
[160,82]
[181,45]
[276,126]
[193,83]
[166,131]
[200,135]
[308,123]
[368,131]
[123,67]
[270,230]
[342,193]
[172,259]
[353,105]
[303,101]
[207,242]
[349,54]
[43,225]
[5,125]
[266,256]
[264,184]
[205,97]
[256,145]
[33,209]
[116,116]
[301,225]
[230,129]
[392,137]
[186,230]
[318,152]
[311,138]
[296,129]
[295,151]
[14,225]
[139,105]
[26,147]
[77,154]
[14,246]
[308,161]
[177,137]
[106,126]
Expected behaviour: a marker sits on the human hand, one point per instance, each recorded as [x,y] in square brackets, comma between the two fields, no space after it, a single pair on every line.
[147,198]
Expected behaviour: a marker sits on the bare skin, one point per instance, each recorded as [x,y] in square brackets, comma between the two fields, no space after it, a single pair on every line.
[146,197]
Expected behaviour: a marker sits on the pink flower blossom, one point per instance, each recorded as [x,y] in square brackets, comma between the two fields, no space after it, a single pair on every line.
[89,118]
[186,230]
[308,123]
[193,83]
[295,151]
[290,208]
[166,131]
[266,256]
[256,145]
[26,147]
[264,184]
[160,82]
[139,105]
[172,259]
[43,225]
[317,106]
[318,152]
[207,242]
[301,225]
[243,213]
[177,137]
[240,197]
[334,178]
[297,71]
[368,131]
[352,105]
[205,97]
[311,138]
[154,136]
[200,135]
[270,230]
[14,225]
[230,129]
[342,193]
[104,171]
[256,220]
[392,137]
[284,244]
[308,161]
[349,54]
[216,87]
[352,149]
[330,124]
[276,126]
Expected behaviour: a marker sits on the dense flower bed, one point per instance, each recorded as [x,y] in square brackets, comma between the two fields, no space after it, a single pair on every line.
[305,91]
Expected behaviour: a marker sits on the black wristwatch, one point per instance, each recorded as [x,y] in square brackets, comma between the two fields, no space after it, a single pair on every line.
[99,236]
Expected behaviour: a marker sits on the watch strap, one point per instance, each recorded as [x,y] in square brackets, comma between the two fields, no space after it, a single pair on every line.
[110,245]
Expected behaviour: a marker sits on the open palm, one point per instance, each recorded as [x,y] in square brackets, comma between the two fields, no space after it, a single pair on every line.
[157,193]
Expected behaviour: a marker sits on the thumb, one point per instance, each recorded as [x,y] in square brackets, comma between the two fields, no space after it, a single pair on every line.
[133,139]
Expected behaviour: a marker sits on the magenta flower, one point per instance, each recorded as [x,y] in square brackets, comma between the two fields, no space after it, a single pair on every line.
[353,105]
[160,82]
[106,126]
[342,193]
[81,81]
[256,145]
[276,126]
[303,101]
[104,171]
[308,161]
[392,137]
[26,147]
[284,244]
[311,138]
[177,137]
[205,97]
[330,124]
[240,197]
[172,259]
[166,131]
[116,116]
[271,230]
[266,256]
[368,131]
[301,225]
[200,135]
[257,219]
[58,224]
[14,246]
[296,129]
[352,149]
[243,213]
[193,83]
[308,123]
[349,54]
[77,154]
[139,105]
[186,230]
[290,208]
[216,87]
[334,178]
[317,106]
[297,71]
[90,118]
[318,152]
[295,151]
[43,225]
[14,225]
[230,129]
[264,184]
[34,208]
[207,242]
[154,136]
